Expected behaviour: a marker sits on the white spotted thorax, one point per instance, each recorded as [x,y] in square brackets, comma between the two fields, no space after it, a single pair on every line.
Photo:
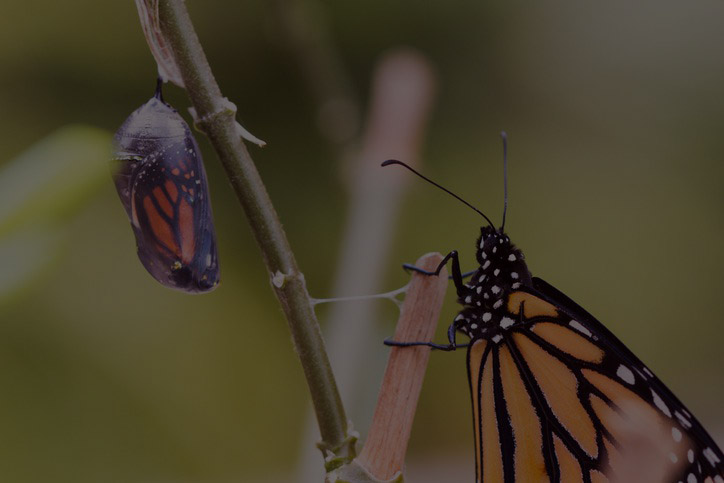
[502,270]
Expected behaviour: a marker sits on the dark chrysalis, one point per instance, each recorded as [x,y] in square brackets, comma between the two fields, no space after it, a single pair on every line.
[555,395]
[160,178]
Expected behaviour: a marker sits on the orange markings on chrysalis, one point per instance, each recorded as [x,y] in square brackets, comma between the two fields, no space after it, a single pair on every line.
[163,201]
[184,188]
[171,189]
[175,171]
[161,230]
[186,231]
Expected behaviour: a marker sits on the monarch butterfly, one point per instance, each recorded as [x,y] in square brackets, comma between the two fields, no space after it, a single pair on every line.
[160,178]
[555,395]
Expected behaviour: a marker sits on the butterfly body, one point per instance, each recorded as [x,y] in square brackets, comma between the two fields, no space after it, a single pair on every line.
[502,269]
[161,181]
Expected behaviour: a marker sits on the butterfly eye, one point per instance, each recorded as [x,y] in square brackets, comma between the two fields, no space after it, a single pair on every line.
[161,181]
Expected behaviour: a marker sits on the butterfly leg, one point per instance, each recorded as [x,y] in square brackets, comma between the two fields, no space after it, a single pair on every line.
[457,275]
[443,347]
[413,268]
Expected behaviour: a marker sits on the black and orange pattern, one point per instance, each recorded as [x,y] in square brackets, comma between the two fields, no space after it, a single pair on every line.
[160,178]
[555,395]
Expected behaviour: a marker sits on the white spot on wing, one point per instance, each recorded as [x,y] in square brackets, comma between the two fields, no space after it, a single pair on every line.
[579,327]
[514,275]
[486,316]
[495,289]
[497,304]
[691,478]
[673,458]
[684,422]
[690,455]
[496,272]
[676,434]
[511,258]
[506,322]
[486,264]
[497,338]
[468,299]
[711,456]
[625,374]
[660,404]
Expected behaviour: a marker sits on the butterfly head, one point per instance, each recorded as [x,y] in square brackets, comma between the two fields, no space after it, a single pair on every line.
[500,259]
[491,244]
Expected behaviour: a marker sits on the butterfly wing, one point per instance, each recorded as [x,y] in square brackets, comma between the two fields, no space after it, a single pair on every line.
[559,398]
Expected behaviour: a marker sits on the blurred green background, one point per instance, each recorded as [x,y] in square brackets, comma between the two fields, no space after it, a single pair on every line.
[614,114]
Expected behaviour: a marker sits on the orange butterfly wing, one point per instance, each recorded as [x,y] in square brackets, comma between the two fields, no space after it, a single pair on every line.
[557,397]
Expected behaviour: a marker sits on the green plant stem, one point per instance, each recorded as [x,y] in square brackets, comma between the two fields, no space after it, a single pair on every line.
[217,120]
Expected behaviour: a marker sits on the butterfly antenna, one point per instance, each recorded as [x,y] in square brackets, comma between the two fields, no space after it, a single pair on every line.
[159,89]
[504,137]
[394,161]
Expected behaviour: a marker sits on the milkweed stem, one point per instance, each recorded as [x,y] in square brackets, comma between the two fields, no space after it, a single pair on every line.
[219,124]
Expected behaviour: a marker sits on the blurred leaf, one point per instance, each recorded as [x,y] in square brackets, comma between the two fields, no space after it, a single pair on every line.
[26,253]
[53,176]
[43,184]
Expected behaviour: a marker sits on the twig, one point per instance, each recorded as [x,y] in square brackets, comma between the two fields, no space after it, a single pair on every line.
[219,124]
[400,101]
[383,455]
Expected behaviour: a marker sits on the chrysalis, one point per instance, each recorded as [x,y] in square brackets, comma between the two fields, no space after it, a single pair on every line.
[160,178]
